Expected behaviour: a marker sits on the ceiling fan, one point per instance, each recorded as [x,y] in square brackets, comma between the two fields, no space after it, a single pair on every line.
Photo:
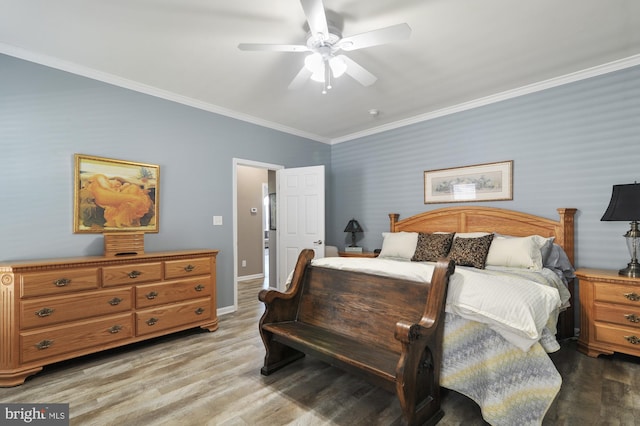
[325,41]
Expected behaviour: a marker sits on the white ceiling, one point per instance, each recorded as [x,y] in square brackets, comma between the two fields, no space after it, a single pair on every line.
[462,53]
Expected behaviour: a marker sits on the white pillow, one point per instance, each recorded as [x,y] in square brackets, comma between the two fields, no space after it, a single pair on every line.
[517,252]
[470,234]
[398,245]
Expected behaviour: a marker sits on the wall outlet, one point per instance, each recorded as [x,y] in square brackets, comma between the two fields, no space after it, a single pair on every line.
[217,220]
[244,263]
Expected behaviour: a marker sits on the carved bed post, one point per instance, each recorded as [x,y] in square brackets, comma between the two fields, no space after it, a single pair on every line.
[393,219]
[418,371]
[282,307]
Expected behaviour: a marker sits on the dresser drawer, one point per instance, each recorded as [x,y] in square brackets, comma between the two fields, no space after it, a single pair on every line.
[187,267]
[617,293]
[58,282]
[44,312]
[175,291]
[131,274]
[622,337]
[74,337]
[623,315]
[176,315]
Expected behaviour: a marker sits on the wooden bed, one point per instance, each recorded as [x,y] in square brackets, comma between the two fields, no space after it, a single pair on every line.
[500,221]
[510,385]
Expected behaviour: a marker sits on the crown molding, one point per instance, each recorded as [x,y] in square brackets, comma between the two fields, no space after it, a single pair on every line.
[115,80]
[118,81]
[609,67]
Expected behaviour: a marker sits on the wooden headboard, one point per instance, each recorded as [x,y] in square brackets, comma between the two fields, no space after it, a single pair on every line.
[490,219]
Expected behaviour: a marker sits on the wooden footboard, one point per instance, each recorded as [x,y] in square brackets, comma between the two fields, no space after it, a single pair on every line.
[386,330]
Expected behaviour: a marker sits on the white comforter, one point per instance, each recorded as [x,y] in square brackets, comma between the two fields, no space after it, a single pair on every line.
[517,308]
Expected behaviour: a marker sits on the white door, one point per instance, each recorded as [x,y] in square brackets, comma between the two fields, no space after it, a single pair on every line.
[300,210]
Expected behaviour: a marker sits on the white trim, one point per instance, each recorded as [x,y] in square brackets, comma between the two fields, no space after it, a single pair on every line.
[235,163]
[226,310]
[74,68]
[618,65]
[105,77]
[250,277]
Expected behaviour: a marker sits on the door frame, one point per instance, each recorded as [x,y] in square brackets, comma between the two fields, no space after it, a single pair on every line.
[250,163]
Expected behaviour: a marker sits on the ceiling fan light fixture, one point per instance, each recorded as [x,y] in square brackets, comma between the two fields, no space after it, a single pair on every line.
[338,66]
[315,64]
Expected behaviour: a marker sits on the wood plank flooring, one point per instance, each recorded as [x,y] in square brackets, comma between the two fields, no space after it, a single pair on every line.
[201,378]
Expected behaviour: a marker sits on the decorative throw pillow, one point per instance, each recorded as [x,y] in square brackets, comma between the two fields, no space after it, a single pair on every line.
[471,251]
[432,247]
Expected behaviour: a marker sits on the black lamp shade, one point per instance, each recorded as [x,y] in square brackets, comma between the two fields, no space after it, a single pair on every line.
[624,204]
[353,226]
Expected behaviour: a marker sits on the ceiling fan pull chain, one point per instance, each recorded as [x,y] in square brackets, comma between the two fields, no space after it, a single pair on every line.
[327,77]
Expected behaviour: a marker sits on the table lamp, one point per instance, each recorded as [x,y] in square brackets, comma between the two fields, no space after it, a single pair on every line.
[353,226]
[625,206]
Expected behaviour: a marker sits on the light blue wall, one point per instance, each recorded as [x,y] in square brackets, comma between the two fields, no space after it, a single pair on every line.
[569,145]
[46,116]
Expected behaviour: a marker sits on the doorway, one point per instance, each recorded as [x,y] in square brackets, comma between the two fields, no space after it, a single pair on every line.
[255,243]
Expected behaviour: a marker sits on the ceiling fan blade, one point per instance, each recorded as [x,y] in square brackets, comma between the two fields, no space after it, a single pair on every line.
[358,73]
[376,37]
[300,78]
[273,47]
[317,19]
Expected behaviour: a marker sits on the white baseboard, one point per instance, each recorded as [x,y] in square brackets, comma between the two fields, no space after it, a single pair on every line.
[250,277]
[225,310]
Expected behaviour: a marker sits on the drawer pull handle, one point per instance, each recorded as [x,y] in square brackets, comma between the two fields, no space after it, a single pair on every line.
[62,282]
[134,274]
[189,268]
[199,311]
[632,318]
[151,295]
[634,340]
[199,287]
[44,344]
[634,297]
[115,329]
[45,312]
[152,321]
[115,301]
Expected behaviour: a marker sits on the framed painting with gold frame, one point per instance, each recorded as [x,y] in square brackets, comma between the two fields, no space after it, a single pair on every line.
[481,182]
[115,195]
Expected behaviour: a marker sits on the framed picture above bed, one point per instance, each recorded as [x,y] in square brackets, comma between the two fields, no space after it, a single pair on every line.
[480,182]
[114,195]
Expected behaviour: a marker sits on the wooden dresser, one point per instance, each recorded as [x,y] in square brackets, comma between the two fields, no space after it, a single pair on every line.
[53,310]
[609,313]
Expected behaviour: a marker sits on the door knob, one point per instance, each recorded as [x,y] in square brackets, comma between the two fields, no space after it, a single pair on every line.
[318,242]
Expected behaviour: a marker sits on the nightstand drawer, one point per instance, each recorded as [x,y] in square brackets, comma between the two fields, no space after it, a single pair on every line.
[616,293]
[627,316]
[623,337]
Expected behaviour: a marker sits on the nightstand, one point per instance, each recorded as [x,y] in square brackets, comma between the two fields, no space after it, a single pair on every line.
[356,254]
[609,313]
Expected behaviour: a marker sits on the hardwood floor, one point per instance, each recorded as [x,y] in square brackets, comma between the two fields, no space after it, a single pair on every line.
[201,378]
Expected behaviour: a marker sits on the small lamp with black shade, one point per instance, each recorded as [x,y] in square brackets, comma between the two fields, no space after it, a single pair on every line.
[625,206]
[353,226]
